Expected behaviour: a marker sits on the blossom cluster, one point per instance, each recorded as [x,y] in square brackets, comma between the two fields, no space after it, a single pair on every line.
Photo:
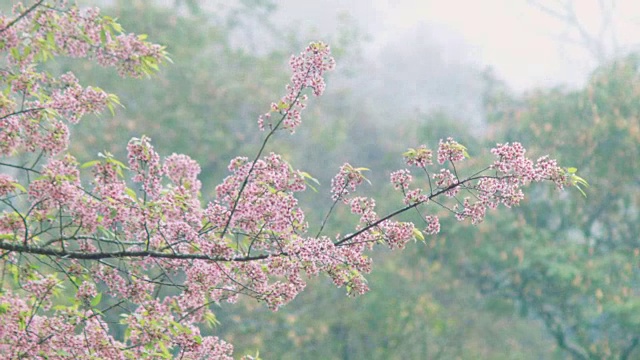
[420,157]
[6,184]
[450,150]
[401,179]
[35,114]
[59,29]
[56,337]
[345,181]
[307,69]
[509,173]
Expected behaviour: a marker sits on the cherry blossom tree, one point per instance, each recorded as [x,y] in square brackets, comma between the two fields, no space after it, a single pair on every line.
[86,249]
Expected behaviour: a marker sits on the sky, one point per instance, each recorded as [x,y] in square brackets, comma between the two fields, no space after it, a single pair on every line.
[525,46]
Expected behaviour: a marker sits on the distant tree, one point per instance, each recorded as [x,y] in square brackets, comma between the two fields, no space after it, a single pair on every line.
[574,267]
[136,243]
[601,40]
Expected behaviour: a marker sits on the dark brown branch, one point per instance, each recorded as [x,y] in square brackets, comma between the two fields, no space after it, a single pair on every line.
[66,254]
[21,112]
[253,164]
[406,208]
[78,255]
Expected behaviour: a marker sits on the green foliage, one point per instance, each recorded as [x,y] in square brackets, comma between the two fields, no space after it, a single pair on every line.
[574,265]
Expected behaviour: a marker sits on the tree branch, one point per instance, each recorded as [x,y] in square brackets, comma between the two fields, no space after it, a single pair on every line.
[568,16]
[253,164]
[78,255]
[21,112]
[629,349]
[14,21]
[66,254]
[408,207]
[558,334]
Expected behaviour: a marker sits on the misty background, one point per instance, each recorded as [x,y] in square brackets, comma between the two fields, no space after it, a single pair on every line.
[529,43]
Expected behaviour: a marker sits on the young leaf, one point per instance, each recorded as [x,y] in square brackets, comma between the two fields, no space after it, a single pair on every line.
[131,193]
[418,234]
[96,300]
[88,164]
[19,187]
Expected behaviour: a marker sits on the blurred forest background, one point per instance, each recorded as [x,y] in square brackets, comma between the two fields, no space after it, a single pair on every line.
[557,277]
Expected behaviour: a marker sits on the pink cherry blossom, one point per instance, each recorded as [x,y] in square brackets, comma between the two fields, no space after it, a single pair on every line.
[450,150]
[308,69]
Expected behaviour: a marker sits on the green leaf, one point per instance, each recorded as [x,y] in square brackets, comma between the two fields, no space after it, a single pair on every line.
[22,324]
[418,234]
[96,300]
[61,307]
[577,181]
[283,105]
[112,102]
[367,180]
[86,38]
[580,181]
[462,148]
[150,62]
[308,176]
[409,153]
[90,164]
[165,353]
[51,40]
[131,193]
[114,25]
[210,319]
[111,109]
[19,187]
[311,187]
[7,237]
[15,272]
[117,163]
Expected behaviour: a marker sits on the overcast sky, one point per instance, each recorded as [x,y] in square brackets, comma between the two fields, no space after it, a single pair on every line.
[521,43]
